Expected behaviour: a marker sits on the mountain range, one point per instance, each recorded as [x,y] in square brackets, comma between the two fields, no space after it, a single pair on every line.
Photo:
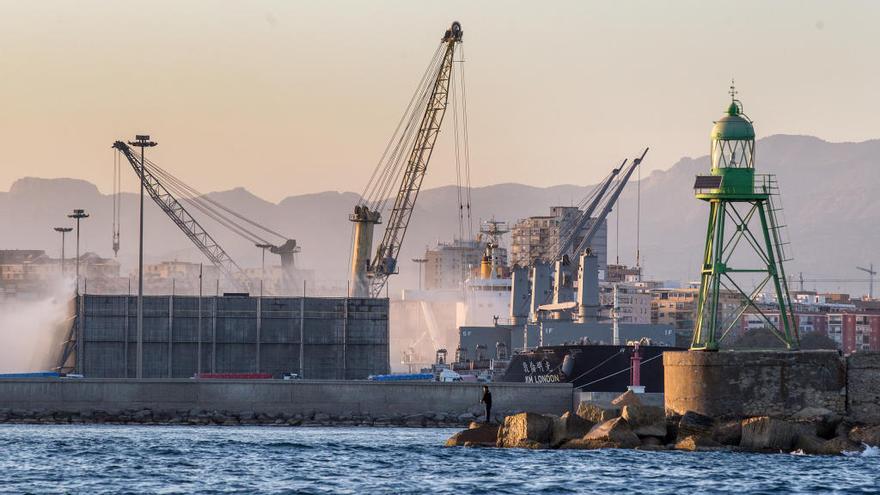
[829,192]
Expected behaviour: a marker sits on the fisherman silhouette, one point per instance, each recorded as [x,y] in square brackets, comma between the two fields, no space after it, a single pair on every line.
[487,400]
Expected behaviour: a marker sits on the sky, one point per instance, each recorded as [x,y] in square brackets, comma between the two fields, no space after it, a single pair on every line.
[292,97]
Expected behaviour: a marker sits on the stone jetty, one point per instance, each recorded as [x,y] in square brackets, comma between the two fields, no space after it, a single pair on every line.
[203,417]
[628,424]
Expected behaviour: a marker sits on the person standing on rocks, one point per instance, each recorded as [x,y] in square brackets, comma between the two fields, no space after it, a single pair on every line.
[487,401]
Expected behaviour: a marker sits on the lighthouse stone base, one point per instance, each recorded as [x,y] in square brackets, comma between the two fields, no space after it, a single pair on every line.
[740,384]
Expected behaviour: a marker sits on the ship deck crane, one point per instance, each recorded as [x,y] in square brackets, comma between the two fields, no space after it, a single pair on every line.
[608,203]
[573,247]
[599,198]
[165,189]
[409,151]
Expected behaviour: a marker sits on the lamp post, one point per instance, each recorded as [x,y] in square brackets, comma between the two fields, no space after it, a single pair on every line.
[420,262]
[141,141]
[263,247]
[77,215]
[64,231]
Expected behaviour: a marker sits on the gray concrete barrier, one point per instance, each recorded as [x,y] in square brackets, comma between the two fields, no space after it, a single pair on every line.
[333,397]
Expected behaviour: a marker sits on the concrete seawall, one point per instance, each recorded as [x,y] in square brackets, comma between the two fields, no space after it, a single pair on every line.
[773,383]
[863,387]
[303,398]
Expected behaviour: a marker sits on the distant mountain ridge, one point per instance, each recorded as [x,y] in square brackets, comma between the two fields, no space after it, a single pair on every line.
[829,192]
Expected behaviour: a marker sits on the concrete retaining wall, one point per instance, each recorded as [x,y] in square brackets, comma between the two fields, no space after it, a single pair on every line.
[863,387]
[754,383]
[276,396]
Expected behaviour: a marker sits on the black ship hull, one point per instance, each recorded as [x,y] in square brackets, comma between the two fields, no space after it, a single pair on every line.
[591,368]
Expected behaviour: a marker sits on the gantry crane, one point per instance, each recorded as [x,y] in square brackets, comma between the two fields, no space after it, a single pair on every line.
[369,275]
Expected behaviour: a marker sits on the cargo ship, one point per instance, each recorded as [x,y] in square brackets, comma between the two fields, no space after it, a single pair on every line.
[590,368]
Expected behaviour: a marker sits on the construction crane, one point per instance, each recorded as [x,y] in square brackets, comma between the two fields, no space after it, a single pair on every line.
[416,132]
[870,271]
[165,189]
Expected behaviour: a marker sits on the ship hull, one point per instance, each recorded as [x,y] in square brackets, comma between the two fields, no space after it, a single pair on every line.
[590,368]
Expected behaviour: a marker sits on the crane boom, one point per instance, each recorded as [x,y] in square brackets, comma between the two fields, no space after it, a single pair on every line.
[578,225]
[609,204]
[182,218]
[369,276]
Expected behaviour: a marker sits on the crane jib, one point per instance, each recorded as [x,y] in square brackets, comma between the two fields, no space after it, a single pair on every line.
[384,263]
[183,219]
[610,203]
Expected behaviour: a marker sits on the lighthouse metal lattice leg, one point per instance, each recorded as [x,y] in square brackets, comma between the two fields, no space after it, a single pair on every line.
[721,283]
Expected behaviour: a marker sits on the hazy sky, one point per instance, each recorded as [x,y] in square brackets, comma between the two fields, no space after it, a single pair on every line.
[289,97]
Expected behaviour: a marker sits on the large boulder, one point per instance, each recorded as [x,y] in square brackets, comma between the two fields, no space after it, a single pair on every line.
[698,444]
[569,427]
[479,435]
[614,433]
[825,420]
[652,443]
[766,433]
[868,435]
[628,398]
[595,414]
[645,421]
[526,430]
[581,444]
[693,424]
[728,433]
[814,445]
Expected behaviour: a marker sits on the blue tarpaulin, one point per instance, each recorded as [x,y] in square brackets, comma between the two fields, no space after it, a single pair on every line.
[402,377]
[35,374]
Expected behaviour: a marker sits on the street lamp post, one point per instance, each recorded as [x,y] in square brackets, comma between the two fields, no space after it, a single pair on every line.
[141,141]
[64,231]
[77,215]
[420,262]
[263,248]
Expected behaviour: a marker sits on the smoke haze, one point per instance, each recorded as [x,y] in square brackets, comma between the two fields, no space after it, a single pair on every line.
[32,332]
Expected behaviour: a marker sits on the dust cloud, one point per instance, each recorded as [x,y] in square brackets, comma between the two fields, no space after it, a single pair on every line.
[32,331]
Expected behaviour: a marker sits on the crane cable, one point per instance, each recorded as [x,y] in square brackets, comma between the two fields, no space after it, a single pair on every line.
[209,207]
[462,151]
[582,205]
[467,151]
[117,204]
[639,224]
[196,194]
[179,189]
[373,183]
[619,372]
[458,187]
[224,221]
[401,155]
[390,165]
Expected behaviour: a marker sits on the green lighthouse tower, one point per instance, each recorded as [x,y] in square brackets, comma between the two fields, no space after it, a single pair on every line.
[743,211]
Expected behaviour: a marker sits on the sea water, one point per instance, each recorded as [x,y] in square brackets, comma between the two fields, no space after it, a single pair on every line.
[183,459]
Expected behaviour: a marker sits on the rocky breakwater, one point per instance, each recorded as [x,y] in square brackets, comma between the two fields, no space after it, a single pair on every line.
[629,424]
[144,416]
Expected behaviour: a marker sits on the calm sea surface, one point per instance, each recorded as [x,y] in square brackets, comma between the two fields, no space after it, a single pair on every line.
[139,459]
